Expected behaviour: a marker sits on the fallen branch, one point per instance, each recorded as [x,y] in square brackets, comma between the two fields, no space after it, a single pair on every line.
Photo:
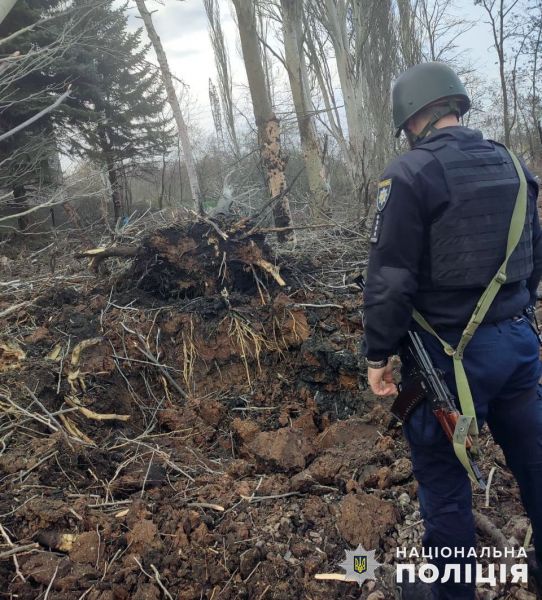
[97,255]
[317,306]
[265,266]
[36,117]
[26,473]
[210,222]
[31,210]
[14,555]
[256,230]
[275,497]
[488,485]
[75,432]
[90,414]
[50,586]
[18,550]
[164,372]
[159,582]
[271,269]
[494,534]
[155,576]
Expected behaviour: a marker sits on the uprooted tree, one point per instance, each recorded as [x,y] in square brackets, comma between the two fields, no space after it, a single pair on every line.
[198,257]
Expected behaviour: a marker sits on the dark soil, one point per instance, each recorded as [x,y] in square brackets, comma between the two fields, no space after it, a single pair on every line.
[243,455]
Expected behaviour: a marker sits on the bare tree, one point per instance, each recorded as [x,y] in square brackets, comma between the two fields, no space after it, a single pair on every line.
[175,105]
[330,20]
[317,175]
[408,34]
[24,153]
[272,157]
[361,37]
[336,16]
[505,22]
[536,77]
[532,82]
[380,63]
[440,29]
[223,69]
[318,66]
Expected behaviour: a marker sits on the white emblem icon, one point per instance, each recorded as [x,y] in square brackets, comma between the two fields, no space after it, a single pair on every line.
[360,565]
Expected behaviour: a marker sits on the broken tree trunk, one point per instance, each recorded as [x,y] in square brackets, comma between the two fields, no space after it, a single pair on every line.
[175,106]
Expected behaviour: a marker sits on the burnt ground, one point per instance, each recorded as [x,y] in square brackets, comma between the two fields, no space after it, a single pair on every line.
[219,444]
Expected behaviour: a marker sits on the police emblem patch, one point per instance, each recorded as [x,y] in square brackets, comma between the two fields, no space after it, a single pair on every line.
[384,189]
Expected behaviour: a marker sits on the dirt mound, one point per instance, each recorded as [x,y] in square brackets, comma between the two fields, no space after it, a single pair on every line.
[197,258]
[188,427]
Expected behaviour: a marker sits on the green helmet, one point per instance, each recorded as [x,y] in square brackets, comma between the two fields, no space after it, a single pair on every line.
[422,85]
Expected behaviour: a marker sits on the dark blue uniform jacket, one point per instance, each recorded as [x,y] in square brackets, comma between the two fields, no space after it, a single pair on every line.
[418,194]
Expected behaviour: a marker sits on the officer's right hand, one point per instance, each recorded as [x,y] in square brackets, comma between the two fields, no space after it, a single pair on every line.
[381,380]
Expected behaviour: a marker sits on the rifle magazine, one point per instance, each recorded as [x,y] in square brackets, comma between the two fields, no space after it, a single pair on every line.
[409,397]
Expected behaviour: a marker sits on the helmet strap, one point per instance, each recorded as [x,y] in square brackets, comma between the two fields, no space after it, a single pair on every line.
[440,111]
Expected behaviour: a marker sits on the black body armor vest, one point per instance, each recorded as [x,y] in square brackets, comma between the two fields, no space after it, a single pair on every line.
[468,240]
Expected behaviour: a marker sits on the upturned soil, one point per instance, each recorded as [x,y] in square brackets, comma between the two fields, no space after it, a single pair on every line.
[173,428]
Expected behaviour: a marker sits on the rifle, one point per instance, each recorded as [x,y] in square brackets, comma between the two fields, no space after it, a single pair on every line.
[426,382]
[533,322]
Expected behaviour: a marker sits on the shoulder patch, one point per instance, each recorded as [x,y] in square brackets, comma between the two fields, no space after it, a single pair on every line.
[384,189]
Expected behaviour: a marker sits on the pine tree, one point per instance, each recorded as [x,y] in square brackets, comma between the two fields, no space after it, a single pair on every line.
[116,110]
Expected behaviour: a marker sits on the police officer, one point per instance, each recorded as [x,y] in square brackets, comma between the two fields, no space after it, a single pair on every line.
[439,236]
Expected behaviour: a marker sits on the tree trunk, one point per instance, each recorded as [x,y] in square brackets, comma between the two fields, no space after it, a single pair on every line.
[502,77]
[335,16]
[272,157]
[175,106]
[317,174]
[112,174]
[337,20]
[223,69]
[115,192]
[505,107]
[57,179]
[162,183]
[21,203]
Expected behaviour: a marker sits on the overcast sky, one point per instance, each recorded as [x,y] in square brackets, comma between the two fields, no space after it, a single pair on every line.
[182,27]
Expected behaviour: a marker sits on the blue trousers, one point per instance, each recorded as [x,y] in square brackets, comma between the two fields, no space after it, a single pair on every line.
[503,370]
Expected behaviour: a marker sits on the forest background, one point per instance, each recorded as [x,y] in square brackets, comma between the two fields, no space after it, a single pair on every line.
[99,125]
